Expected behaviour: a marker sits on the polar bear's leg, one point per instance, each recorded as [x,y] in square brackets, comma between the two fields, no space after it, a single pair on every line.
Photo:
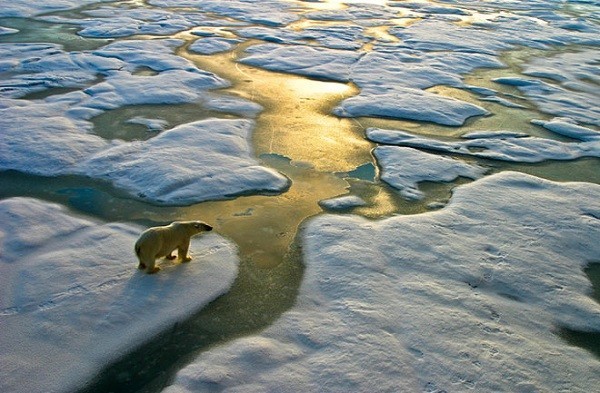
[170,256]
[182,251]
[151,268]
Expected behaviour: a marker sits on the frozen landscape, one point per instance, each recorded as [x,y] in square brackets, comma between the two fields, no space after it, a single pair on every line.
[405,195]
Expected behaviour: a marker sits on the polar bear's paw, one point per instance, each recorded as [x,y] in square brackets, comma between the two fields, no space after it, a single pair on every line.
[155,269]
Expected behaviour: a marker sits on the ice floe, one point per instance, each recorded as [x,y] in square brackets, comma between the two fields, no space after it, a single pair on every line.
[310,61]
[568,127]
[212,45]
[393,90]
[72,299]
[500,145]
[407,103]
[342,203]
[467,297]
[404,167]
[39,138]
[194,162]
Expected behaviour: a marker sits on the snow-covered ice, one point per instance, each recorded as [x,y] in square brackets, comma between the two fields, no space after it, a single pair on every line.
[404,167]
[501,145]
[467,297]
[342,202]
[410,104]
[204,160]
[212,45]
[72,299]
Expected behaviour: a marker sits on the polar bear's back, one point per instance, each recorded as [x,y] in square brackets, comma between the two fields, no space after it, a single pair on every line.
[160,241]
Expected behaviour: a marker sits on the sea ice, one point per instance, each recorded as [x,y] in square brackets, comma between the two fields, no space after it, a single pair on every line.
[567,127]
[407,103]
[194,162]
[574,92]
[26,8]
[310,61]
[262,12]
[342,203]
[54,136]
[212,45]
[38,138]
[501,145]
[468,297]
[72,299]
[404,167]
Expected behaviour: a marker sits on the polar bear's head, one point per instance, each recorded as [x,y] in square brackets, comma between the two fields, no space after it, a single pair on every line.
[194,227]
[201,226]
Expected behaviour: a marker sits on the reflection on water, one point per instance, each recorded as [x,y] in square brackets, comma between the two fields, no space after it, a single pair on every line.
[296,121]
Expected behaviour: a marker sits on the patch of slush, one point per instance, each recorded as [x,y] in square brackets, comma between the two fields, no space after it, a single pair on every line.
[199,161]
[504,145]
[403,168]
[467,297]
[72,299]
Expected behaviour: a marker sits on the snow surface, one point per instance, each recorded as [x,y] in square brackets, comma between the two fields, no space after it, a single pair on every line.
[403,168]
[467,297]
[72,299]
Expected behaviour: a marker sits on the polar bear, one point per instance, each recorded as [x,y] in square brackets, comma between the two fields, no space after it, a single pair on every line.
[160,242]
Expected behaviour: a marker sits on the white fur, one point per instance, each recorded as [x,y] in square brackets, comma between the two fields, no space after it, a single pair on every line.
[158,242]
